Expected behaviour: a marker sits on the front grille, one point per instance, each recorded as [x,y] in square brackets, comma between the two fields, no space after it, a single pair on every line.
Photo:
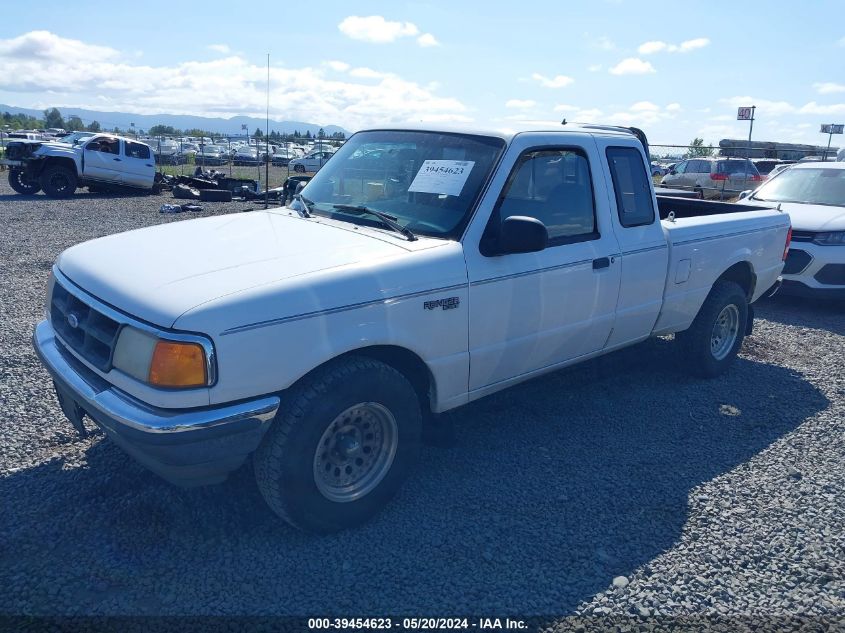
[18,150]
[832,275]
[803,236]
[796,261]
[84,329]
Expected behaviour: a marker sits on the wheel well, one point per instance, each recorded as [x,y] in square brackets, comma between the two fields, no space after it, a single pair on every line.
[741,274]
[63,162]
[406,363]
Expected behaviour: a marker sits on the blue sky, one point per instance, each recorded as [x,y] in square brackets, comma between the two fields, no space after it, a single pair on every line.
[676,69]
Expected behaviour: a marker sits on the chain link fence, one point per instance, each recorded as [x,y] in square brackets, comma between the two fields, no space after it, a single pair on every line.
[269,161]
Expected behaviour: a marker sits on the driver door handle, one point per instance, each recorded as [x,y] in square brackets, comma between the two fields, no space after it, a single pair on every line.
[117,159]
[601,262]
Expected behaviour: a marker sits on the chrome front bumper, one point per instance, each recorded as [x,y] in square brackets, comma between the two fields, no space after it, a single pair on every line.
[185,447]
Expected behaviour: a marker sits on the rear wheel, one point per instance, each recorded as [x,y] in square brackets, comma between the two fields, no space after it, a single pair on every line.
[299,168]
[341,445]
[699,192]
[58,181]
[20,181]
[713,340]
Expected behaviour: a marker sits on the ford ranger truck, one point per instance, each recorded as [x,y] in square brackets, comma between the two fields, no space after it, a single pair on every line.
[419,270]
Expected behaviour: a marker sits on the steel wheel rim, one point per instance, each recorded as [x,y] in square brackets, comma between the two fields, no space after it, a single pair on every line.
[725,332]
[355,452]
[23,181]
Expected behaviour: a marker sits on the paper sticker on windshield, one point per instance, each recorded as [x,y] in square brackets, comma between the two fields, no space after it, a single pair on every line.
[442,177]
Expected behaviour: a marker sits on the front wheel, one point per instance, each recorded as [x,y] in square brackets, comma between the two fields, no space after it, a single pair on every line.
[21,182]
[58,181]
[341,445]
[713,340]
[299,168]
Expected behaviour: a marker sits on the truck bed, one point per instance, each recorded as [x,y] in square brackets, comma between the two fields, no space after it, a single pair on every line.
[693,207]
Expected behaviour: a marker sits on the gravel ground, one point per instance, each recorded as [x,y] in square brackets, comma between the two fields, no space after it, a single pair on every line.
[671,497]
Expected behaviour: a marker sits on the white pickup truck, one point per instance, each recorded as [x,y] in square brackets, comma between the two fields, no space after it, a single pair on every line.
[101,161]
[419,270]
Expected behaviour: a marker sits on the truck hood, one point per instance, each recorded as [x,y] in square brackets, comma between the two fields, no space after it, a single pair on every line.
[810,217]
[158,273]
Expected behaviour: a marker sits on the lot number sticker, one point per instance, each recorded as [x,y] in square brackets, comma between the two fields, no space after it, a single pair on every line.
[442,177]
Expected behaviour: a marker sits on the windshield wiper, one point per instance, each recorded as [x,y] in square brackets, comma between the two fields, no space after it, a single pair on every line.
[307,205]
[386,219]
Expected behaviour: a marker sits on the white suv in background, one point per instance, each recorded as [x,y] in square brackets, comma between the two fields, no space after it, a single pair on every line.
[713,177]
[814,196]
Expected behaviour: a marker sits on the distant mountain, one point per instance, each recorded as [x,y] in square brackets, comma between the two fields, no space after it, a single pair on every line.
[122,120]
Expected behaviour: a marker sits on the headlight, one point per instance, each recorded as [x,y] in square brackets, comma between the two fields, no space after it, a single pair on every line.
[163,362]
[832,238]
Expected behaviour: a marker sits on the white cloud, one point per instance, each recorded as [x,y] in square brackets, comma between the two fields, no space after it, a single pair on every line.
[46,46]
[828,87]
[691,45]
[338,66]
[426,40]
[579,114]
[558,81]
[632,66]
[644,106]
[591,115]
[376,29]
[520,104]
[77,74]
[764,106]
[594,68]
[649,48]
[656,46]
[815,108]
[673,107]
[366,73]
[220,48]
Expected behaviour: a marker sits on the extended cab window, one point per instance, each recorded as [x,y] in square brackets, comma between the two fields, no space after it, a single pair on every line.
[553,186]
[137,150]
[631,184]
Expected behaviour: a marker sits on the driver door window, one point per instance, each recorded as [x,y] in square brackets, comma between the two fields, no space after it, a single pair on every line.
[553,186]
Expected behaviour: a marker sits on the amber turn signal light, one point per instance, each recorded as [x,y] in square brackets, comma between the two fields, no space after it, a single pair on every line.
[176,364]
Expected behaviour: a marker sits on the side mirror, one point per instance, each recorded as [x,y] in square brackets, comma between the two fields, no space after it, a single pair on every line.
[521,234]
[744,194]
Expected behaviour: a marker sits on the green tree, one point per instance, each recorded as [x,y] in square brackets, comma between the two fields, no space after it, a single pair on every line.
[163,130]
[74,124]
[697,148]
[94,126]
[258,133]
[53,118]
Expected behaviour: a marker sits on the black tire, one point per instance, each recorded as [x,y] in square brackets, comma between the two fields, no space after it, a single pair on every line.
[699,192]
[19,181]
[697,343]
[286,462]
[58,181]
[299,168]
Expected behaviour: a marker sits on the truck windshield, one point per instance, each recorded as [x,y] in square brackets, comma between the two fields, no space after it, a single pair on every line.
[811,186]
[428,181]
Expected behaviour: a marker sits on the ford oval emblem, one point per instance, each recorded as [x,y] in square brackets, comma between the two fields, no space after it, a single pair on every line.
[73,320]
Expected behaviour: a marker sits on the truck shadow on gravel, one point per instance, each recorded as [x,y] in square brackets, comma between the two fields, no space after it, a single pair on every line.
[818,314]
[551,489]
